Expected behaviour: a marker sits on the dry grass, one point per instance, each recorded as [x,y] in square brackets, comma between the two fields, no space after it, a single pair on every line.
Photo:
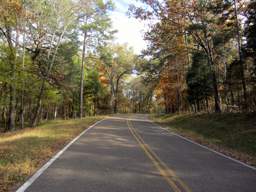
[23,152]
[232,134]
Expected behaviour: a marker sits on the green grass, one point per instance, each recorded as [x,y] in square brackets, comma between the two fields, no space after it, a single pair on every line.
[23,152]
[233,134]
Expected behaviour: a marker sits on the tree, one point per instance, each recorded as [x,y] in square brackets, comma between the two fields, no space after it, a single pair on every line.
[249,52]
[64,17]
[138,94]
[250,31]
[185,26]
[117,61]
[240,53]
[198,81]
[95,26]
[10,12]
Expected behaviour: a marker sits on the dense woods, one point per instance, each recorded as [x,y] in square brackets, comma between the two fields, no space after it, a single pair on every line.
[58,59]
[201,54]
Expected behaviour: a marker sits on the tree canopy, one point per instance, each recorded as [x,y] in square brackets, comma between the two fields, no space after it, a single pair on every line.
[201,53]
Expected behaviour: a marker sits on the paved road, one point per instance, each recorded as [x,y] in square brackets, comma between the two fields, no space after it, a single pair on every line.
[120,155]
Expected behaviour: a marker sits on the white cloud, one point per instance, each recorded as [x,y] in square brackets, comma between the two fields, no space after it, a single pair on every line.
[130,30]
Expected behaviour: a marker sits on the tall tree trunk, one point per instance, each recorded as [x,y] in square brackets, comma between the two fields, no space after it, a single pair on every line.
[214,78]
[207,47]
[35,118]
[115,90]
[240,53]
[4,117]
[82,78]
[115,104]
[12,61]
[232,97]
[23,85]
[55,112]
[116,97]
[22,111]
[216,93]
[215,86]
[207,104]
[12,111]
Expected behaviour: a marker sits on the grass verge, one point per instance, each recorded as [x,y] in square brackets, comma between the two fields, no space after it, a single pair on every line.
[23,152]
[231,134]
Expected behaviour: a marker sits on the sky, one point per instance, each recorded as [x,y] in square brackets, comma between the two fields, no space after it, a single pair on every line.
[130,30]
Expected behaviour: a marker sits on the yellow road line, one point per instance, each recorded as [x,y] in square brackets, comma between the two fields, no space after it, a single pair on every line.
[169,175]
[170,172]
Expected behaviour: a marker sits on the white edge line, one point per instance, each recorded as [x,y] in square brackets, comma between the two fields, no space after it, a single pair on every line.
[189,140]
[207,148]
[46,165]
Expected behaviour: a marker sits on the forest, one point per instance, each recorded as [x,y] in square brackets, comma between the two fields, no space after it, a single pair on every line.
[202,54]
[58,59]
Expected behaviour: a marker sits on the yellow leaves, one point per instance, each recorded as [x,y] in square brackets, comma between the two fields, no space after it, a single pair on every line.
[9,7]
[172,81]
[10,11]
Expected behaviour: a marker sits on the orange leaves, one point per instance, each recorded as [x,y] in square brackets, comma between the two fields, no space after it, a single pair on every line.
[10,11]
[102,74]
[14,5]
[103,80]
[172,82]
[9,7]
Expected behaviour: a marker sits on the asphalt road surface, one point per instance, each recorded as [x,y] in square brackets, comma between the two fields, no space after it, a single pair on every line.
[130,154]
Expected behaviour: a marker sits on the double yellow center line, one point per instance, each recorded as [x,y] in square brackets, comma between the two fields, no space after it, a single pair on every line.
[176,184]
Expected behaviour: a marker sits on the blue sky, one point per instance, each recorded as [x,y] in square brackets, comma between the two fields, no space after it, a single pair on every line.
[130,30]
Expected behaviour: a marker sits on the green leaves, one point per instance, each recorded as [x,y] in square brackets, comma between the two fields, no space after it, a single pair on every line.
[199,78]
[196,27]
